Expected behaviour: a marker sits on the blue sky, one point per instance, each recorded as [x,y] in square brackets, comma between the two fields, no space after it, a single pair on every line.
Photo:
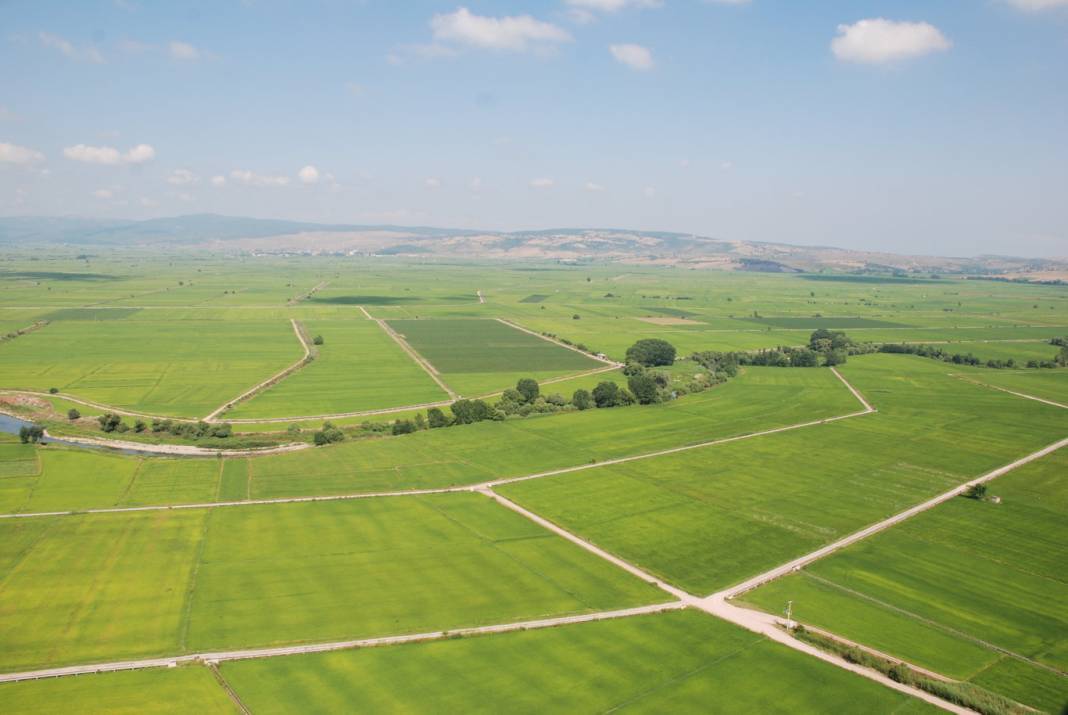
[897,125]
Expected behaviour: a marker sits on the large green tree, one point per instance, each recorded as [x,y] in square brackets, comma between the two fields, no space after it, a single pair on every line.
[651,352]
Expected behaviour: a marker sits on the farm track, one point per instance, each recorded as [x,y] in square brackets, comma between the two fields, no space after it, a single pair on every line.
[304,296]
[554,341]
[717,604]
[489,484]
[252,391]
[419,359]
[1011,392]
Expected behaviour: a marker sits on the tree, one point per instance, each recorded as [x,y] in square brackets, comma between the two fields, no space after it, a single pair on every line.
[644,388]
[1062,356]
[109,421]
[804,358]
[651,352]
[317,340]
[140,426]
[328,435]
[222,431]
[403,427]
[976,491]
[834,357]
[528,388]
[53,390]
[466,412]
[31,433]
[73,414]
[582,399]
[606,394]
[436,418]
[420,421]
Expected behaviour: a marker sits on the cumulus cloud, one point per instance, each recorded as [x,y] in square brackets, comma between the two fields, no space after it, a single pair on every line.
[218,180]
[633,56]
[251,178]
[878,40]
[542,183]
[308,175]
[1037,5]
[516,33]
[182,177]
[110,155]
[586,10]
[183,51]
[15,154]
[67,48]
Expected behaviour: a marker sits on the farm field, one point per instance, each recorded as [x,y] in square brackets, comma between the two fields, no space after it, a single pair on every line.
[359,367]
[672,662]
[167,582]
[707,519]
[476,357]
[181,368]
[926,590]
[1047,384]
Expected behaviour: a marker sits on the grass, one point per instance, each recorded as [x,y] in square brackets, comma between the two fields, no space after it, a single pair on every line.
[156,691]
[672,662]
[168,582]
[1047,384]
[479,356]
[359,367]
[830,322]
[707,519]
[966,570]
[180,368]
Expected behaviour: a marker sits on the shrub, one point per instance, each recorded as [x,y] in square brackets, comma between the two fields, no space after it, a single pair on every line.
[403,427]
[328,435]
[436,418]
[582,399]
[469,411]
[317,340]
[31,434]
[140,426]
[606,394]
[644,388]
[53,390]
[109,422]
[73,414]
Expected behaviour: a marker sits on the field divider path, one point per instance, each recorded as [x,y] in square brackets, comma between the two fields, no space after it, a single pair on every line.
[95,405]
[299,332]
[1011,392]
[489,484]
[213,658]
[419,359]
[481,298]
[554,341]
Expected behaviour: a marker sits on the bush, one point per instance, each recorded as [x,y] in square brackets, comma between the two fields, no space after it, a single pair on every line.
[328,435]
[556,399]
[644,388]
[528,388]
[73,414]
[31,434]
[53,390]
[109,422]
[469,411]
[436,418]
[140,426]
[606,394]
[582,399]
[317,340]
[976,491]
[651,352]
[403,427]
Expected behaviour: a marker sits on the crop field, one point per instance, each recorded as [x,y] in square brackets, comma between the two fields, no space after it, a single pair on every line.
[181,368]
[480,356]
[932,588]
[166,582]
[1047,384]
[359,367]
[673,662]
[707,519]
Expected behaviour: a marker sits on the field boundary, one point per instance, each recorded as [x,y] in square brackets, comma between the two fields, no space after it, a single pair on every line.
[554,341]
[414,355]
[477,487]
[1024,395]
[298,330]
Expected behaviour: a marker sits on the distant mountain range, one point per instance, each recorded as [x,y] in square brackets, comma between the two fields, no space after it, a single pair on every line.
[570,245]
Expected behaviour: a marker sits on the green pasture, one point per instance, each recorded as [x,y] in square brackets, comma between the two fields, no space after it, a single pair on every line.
[1047,384]
[479,356]
[929,589]
[147,584]
[359,367]
[162,691]
[680,661]
[709,518]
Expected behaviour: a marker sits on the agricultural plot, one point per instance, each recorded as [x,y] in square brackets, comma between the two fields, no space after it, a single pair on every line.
[159,691]
[185,368]
[1047,384]
[946,588]
[481,356]
[707,519]
[680,661]
[162,583]
[359,367]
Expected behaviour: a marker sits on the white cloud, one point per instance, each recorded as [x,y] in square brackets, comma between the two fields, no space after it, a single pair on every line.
[1037,5]
[878,40]
[634,56]
[218,181]
[183,51]
[182,177]
[308,175]
[433,183]
[15,154]
[611,5]
[517,33]
[542,183]
[104,194]
[250,178]
[109,154]
[67,48]
[591,186]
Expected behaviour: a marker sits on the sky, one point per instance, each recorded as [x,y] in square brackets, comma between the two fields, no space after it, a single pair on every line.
[909,126]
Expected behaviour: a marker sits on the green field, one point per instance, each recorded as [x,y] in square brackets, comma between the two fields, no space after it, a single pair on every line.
[476,357]
[707,519]
[967,570]
[673,662]
[359,367]
[170,582]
